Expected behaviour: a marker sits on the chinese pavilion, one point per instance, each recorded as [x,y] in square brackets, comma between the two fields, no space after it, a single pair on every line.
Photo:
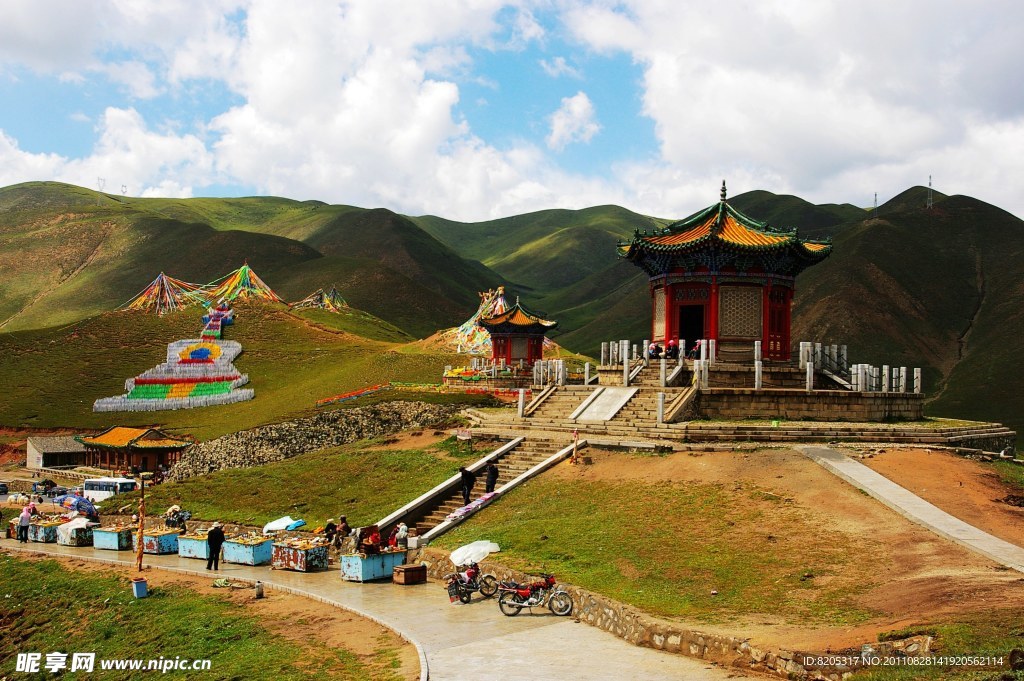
[721,275]
[517,334]
[121,448]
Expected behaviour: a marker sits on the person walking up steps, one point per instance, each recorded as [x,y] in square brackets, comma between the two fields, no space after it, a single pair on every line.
[492,477]
[214,540]
[468,480]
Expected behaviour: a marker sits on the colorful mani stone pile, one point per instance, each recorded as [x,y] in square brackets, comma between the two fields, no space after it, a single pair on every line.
[198,373]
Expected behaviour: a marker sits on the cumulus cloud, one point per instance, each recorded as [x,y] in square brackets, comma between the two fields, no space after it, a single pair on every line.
[573,122]
[831,101]
[358,101]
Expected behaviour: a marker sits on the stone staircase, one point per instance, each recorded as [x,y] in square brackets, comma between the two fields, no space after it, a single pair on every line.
[511,465]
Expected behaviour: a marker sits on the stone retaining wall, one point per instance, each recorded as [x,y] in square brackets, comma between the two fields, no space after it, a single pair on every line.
[800,405]
[641,629]
[266,444]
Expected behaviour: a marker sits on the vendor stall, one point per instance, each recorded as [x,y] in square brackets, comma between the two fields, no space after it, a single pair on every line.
[361,567]
[303,555]
[249,549]
[44,531]
[195,545]
[113,537]
[157,541]
[77,532]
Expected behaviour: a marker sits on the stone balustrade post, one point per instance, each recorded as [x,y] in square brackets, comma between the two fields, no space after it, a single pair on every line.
[810,376]
[664,371]
[661,408]
[521,406]
[758,374]
[646,354]
[586,374]
[903,379]
[712,351]
[625,363]
[886,378]
[918,386]
[604,354]
[757,351]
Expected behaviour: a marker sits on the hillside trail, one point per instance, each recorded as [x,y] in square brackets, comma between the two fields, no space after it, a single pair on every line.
[915,576]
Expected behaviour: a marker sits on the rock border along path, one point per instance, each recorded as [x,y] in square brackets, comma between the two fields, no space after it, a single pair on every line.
[914,508]
[454,642]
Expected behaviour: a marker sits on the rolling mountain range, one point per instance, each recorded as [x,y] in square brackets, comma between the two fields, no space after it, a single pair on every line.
[938,288]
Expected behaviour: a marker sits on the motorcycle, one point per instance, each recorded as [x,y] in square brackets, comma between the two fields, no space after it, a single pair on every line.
[462,586]
[514,597]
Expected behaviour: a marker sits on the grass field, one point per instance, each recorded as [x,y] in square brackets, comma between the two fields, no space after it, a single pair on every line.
[44,610]
[665,547]
[362,481]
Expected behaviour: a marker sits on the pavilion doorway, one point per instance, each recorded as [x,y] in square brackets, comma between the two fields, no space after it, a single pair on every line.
[691,325]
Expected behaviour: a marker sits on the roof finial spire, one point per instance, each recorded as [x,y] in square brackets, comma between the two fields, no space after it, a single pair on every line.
[723,190]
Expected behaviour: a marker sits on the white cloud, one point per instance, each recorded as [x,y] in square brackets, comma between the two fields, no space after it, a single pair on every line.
[135,76]
[573,122]
[357,101]
[559,67]
[825,100]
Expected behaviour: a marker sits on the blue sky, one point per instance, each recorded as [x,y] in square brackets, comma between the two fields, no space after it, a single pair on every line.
[476,109]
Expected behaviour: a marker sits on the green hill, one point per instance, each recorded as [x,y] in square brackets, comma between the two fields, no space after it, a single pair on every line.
[52,376]
[67,253]
[907,286]
[939,289]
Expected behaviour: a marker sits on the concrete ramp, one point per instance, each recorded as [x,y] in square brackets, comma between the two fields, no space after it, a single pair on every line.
[606,404]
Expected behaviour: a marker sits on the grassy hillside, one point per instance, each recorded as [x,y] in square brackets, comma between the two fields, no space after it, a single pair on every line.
[53,376]
[67,253]
[938,289]
[785,211]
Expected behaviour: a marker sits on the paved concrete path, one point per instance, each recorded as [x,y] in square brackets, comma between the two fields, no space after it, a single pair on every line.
[455,642]
[916,509]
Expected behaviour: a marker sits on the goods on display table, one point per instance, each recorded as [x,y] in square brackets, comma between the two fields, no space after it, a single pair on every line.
[363,567]
[114,537]
[194,545]
[157,541]
[44,529]
[251,548]
[303,555]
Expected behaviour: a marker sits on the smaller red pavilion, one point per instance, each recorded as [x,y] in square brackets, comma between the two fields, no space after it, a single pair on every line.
[517,334]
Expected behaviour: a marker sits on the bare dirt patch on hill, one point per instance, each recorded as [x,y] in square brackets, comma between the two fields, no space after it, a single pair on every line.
[908,577]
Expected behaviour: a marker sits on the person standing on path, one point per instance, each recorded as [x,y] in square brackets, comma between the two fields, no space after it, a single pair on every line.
[468,480]
[24,520]
[492,477]
[214,540]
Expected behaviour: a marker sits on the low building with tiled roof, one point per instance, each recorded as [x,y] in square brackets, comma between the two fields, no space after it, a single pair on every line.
[122,448]
[724,276]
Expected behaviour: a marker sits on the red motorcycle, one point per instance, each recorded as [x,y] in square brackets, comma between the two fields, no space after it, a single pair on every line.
[514,597]
[462,585]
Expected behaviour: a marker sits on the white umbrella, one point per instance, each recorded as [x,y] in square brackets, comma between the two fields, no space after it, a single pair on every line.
[473,553]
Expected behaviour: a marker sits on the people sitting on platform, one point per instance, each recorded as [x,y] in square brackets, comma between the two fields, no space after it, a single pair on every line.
[369,540]
[672,351]
[330,531]
[654,351]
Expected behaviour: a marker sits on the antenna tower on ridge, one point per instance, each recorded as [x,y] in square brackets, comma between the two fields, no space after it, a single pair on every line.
[929,205]
[101,182]
[876,204]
